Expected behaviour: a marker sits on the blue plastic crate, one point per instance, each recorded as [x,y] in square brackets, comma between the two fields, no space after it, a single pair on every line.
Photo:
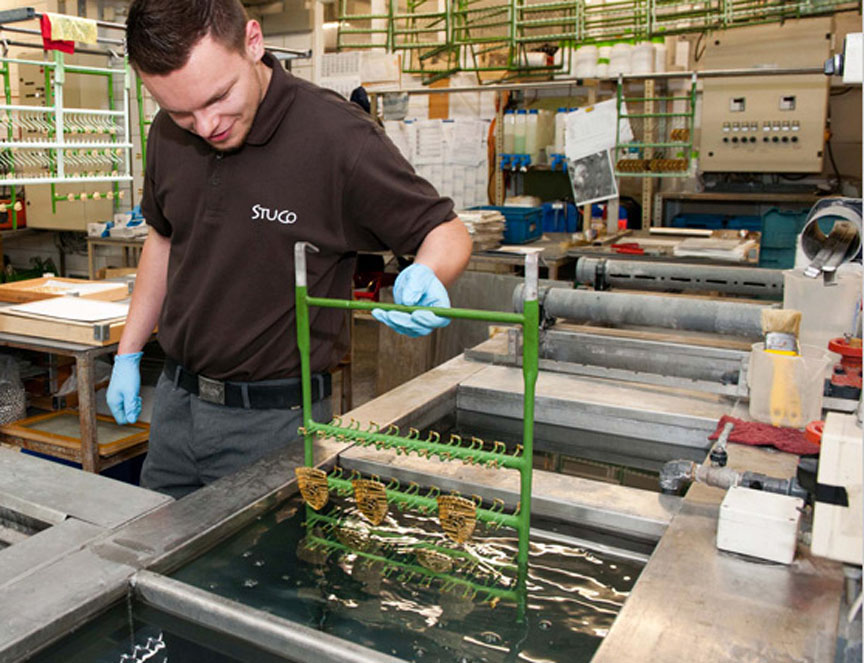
[704,221]
[744,223]
[780,228]
[560,217]
[777,258]
[523,223]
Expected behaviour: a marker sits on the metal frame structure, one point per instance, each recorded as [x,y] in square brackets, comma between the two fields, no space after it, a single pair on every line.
[660,133]
[520,25]
[472,452]
[104,155]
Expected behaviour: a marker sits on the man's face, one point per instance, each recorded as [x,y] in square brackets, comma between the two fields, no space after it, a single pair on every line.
[216,94]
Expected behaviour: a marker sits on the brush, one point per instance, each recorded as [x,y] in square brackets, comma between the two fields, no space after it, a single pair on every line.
[780,327]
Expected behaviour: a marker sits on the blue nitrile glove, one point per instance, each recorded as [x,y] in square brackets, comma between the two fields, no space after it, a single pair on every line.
[416,286]
[123,395]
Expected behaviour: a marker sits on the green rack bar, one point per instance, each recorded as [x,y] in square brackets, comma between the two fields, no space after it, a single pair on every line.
[528,319]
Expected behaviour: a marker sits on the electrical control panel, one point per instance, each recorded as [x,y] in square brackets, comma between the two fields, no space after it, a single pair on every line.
[773,124]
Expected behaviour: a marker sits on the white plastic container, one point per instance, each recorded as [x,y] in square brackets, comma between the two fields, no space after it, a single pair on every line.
[659,54]
[759,524]
[785,390]
[560,130]
[509,131]
[642,60]
[619,60]
[519,133]
[585,62]
[827,311]
[531,134]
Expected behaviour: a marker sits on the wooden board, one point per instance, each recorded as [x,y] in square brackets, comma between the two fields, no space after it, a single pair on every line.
[61,330]
[63,429]
[46,287]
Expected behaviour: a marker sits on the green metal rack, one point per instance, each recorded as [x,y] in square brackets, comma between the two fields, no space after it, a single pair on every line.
[55,144]
[469,451]
[495,35]
[663,136]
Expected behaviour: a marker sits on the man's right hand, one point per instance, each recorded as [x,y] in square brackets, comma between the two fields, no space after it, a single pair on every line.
[123,395]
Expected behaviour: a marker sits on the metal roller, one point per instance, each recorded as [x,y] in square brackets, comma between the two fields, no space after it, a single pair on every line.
[603,273]
[622,309]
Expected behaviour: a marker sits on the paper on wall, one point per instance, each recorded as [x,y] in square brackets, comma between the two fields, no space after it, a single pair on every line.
[341,65]
[592,129]
[403,136]
[343,85]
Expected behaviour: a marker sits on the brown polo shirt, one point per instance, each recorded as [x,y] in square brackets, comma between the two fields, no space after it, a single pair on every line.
[315,168]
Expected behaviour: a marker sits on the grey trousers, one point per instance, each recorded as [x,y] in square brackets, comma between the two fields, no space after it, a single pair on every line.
[193,442]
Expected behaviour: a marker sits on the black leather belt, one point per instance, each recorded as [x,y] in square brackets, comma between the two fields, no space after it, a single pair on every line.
[250,395]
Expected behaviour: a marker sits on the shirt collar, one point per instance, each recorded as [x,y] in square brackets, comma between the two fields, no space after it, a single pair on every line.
[277,99]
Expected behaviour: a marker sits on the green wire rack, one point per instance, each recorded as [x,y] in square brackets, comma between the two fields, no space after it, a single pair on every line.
[439,42]
[663,139]
[469,451]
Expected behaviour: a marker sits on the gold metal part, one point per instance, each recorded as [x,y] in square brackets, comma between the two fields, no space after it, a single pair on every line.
[313,486]
[434,560]
[352,537]
[458,517]
[371,499]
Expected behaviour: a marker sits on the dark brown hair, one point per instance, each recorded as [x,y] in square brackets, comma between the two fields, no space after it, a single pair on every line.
[160,34]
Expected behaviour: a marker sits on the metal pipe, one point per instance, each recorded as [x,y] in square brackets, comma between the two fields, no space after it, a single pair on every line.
[602,273]
[655,311]
[256,627]
[567,83]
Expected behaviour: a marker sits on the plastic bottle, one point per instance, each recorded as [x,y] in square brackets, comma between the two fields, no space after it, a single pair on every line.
[532,129]
[519,133]
[642,59]
[604,52]
[585,62]
[619,60]
[509,131]
[560,130]
[659,44]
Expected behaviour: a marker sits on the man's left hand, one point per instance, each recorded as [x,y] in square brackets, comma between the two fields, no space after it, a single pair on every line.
[416,286]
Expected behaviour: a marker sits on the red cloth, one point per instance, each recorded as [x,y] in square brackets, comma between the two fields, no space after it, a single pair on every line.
[790,440]
[51,44]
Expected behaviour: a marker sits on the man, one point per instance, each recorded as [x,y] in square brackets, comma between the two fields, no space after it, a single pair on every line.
[244,160]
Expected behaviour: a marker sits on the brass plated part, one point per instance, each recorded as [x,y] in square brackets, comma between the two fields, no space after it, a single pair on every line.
[313,486]
[371,498]
[458,517]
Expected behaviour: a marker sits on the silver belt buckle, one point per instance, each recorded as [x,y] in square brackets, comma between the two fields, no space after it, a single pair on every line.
[211,391]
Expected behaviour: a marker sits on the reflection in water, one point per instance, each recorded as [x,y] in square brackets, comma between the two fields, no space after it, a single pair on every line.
[573,594]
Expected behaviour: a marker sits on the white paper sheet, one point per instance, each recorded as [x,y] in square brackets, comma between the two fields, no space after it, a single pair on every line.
[344,85]
[63,287]
[340,65]
[72,308]
[592,129]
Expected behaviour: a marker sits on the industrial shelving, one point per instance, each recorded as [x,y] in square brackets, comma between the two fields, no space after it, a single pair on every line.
[485,35]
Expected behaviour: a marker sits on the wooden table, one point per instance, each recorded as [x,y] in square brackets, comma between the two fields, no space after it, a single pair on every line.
[85,356]
[131,251]
[553,258]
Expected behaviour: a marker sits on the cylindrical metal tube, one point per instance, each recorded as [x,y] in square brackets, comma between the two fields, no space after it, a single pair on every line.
[620,309]
[265,631]
[643,275]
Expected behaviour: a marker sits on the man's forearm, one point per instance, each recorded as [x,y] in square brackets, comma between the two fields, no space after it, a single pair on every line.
[446,250]
[148,295]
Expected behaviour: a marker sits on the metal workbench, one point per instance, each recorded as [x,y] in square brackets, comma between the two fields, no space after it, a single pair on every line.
[692,602]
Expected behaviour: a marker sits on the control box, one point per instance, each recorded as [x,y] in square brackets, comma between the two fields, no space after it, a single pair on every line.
[773,124]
